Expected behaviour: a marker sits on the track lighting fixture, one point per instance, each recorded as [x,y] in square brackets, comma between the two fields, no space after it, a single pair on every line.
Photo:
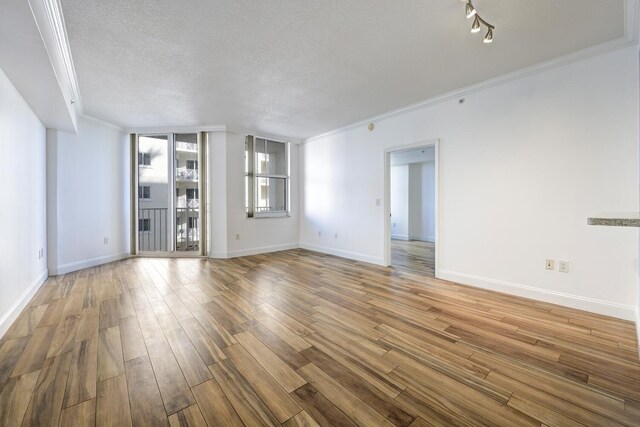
[489,37]
[475,28]
[471,12]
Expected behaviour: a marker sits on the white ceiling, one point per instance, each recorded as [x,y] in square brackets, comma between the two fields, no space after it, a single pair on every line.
[299,67]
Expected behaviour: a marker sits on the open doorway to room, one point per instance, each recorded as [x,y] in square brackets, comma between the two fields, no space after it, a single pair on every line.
[412,209]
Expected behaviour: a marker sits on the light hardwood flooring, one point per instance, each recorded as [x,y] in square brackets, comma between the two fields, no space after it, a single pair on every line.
[413,257]
[302,339]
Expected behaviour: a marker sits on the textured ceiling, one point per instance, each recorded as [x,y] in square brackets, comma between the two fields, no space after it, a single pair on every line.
[299,67]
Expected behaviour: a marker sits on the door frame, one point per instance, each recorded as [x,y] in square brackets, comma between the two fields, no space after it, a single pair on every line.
[202,142]
[387,197]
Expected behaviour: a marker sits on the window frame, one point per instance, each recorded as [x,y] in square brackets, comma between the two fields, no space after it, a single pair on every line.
[142,164]
[252,181]
[141,188]
[142,221]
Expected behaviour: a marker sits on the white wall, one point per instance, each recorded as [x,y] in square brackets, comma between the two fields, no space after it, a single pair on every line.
[522,165]
[227,213]
[400,202]
[88,196]
[22,205]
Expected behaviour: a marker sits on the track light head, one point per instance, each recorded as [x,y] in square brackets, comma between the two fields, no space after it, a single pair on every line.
[475,28]
[478,22]
[470,10]
[489,37]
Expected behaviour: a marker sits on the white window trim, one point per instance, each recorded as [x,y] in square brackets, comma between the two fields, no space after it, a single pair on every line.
[252,214]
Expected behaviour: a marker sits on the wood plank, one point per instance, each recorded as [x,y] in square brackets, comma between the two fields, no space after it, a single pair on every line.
[214,405]
[33,356]
[320,408]
[46,402]
[301,420]
[10,353]
[174,389]
[364,390]
[188,417]
[83,373]
[109,313]
[110,361]
[342,398]
[113,403]
[276,398]
[278,346]
[26,322]
[192,365]
[132,340]
[15,397]
[64,338]
[204,344]
[80,415]
[251,409]
[89,324]
[144,397]
[280,371]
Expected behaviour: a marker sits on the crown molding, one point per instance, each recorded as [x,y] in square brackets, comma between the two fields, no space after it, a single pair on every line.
[209,128]
[631,38]
[50,22]
[101,122]
[175,129]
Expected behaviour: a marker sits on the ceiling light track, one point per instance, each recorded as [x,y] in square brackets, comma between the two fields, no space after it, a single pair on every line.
[478,22]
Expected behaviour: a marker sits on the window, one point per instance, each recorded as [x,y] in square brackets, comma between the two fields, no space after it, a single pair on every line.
[144,159]
[267,177]
[192,164]
[193,222]
[192,194]
[144,191]
[144,225]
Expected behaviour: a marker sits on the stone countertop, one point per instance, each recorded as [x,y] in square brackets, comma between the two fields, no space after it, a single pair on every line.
[624,219]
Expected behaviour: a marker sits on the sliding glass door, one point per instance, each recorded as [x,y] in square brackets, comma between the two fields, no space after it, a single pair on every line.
[169,184]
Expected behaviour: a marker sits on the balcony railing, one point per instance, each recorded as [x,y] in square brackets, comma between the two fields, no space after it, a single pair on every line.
[184,174]
[187,238]
[188,203]
[155,238]
[186,146]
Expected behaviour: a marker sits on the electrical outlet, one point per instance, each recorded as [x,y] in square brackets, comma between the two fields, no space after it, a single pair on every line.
[335,236]
[395,225]
[237,236]
[319,233]
[105,240]
[550,264]
[378,202]
[563,266]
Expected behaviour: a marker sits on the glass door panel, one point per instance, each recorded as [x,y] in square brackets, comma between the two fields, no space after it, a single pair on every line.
[187,211]
[154,215]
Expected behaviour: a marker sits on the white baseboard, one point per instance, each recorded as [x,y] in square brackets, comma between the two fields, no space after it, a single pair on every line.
[258,251]
[430,239]
[400,237]
[79,265]
[21,303]
[343,254]
[620,311]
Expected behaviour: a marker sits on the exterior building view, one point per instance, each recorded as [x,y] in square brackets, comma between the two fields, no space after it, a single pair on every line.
[163,189]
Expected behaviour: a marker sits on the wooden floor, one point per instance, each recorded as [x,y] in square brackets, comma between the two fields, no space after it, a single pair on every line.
[298,338]
[413,257]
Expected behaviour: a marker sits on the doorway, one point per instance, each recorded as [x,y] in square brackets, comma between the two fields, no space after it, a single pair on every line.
[411,208]
[169,184]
